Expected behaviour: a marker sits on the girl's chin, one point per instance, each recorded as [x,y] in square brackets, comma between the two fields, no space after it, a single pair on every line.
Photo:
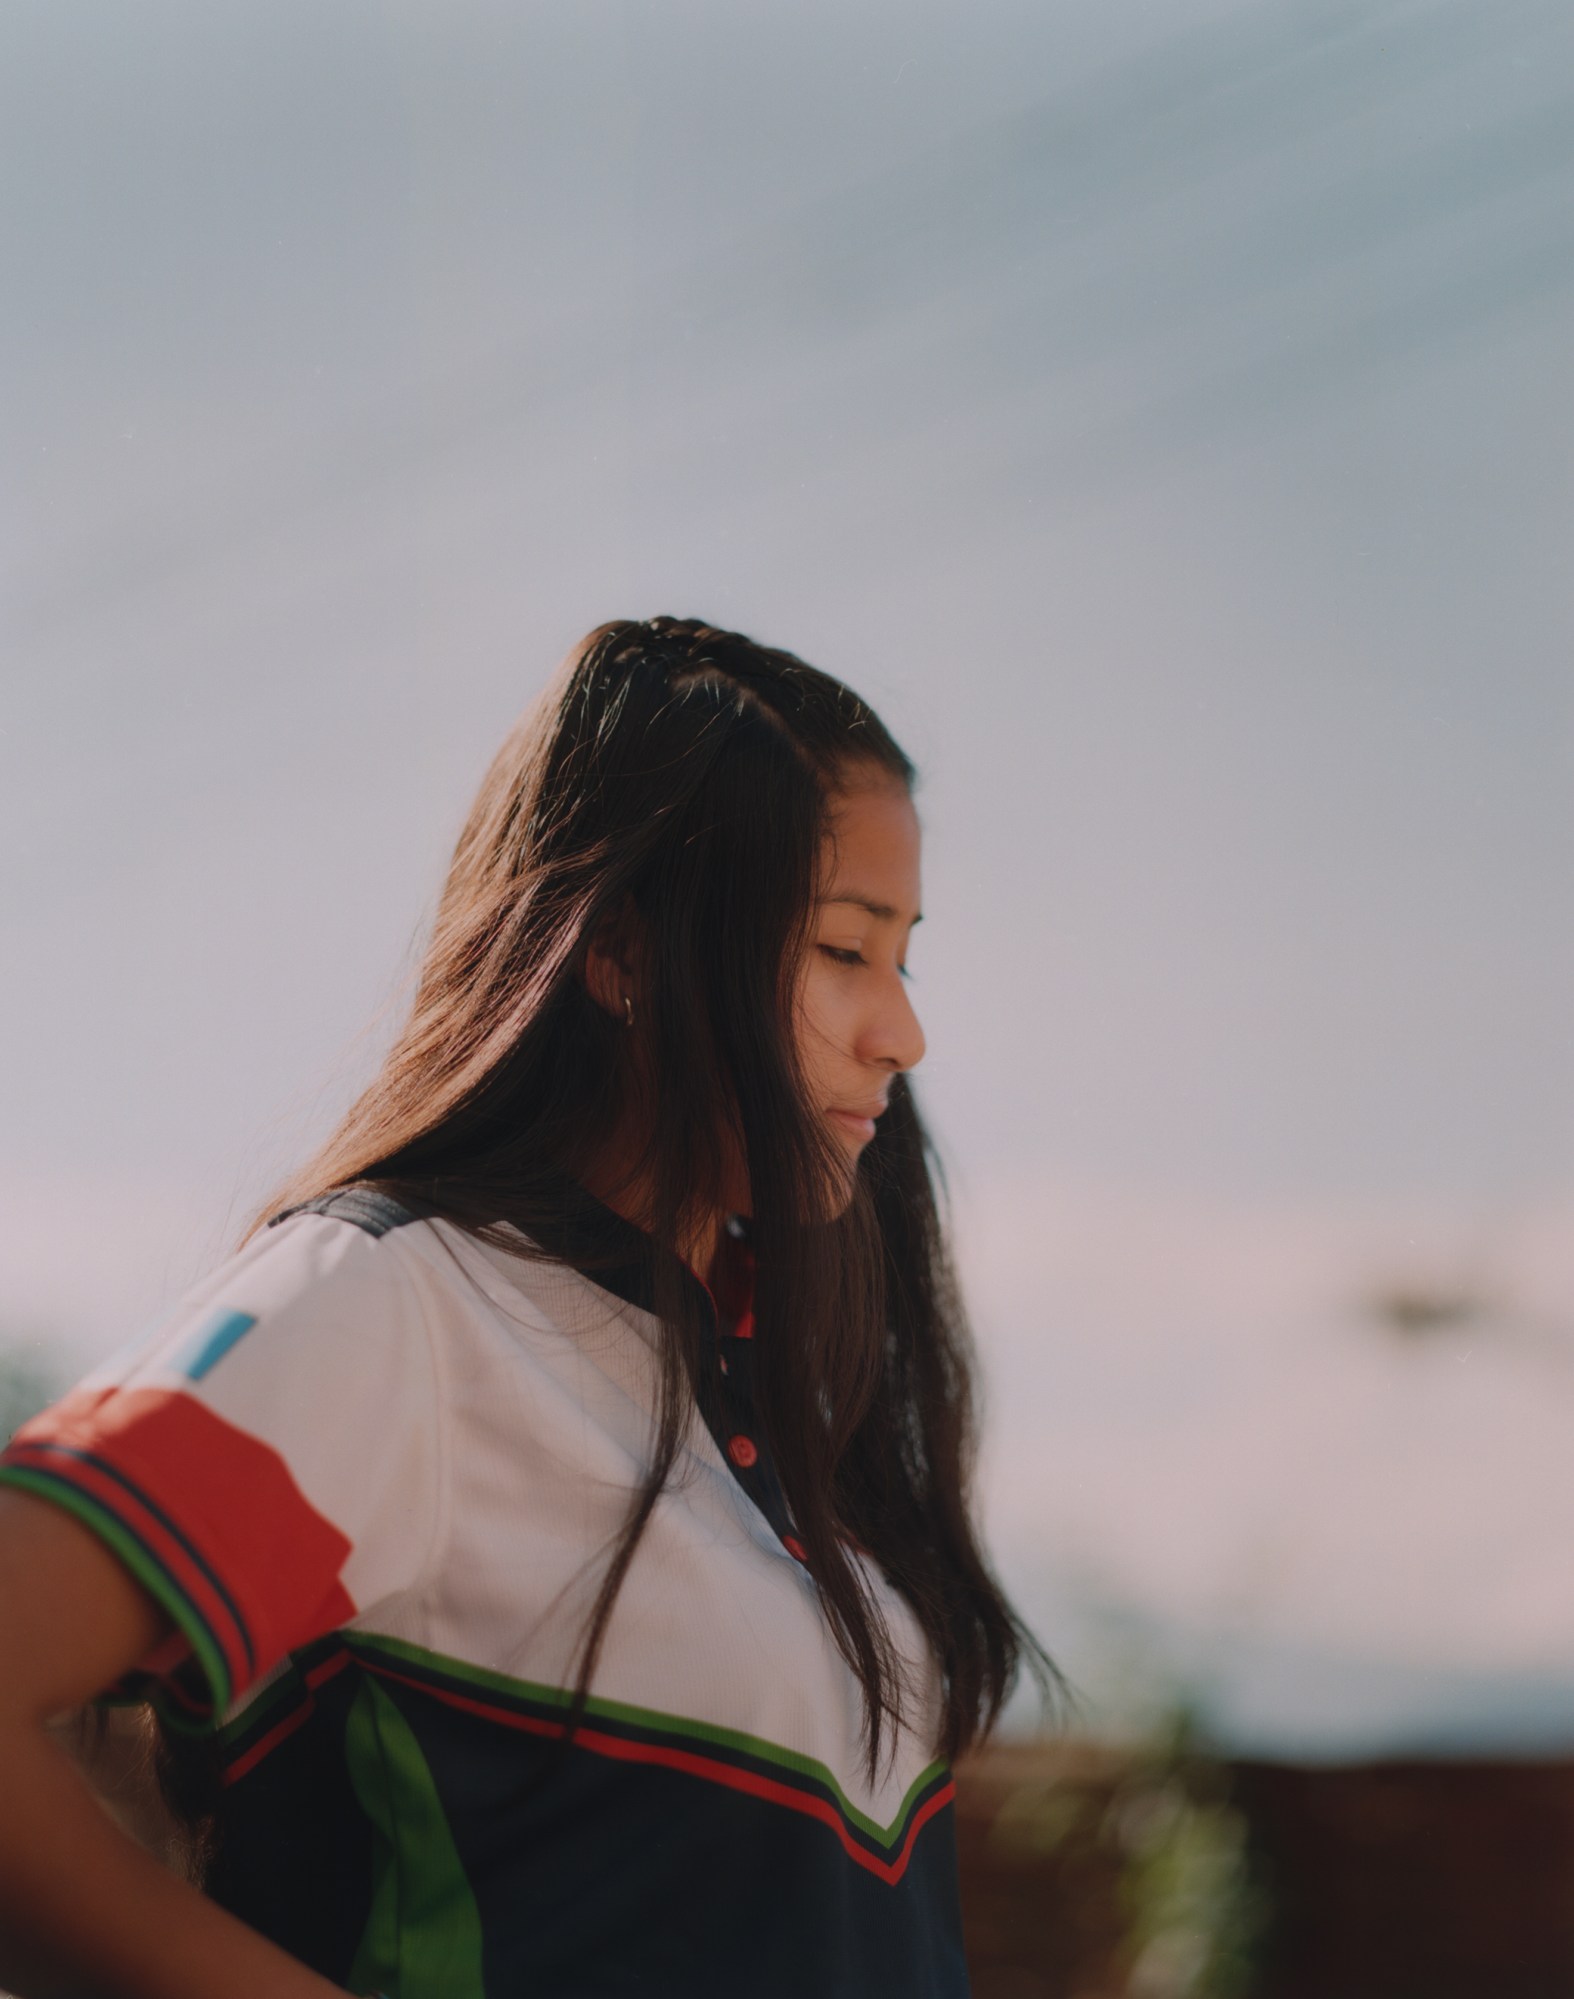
[840,1193]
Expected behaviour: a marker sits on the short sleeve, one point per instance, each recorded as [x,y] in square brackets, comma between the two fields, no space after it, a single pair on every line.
[266,1461]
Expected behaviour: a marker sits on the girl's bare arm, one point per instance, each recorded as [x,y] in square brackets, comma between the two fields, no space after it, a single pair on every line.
[86,1913]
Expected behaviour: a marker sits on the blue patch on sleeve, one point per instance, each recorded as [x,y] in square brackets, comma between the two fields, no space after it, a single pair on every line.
[208,1346]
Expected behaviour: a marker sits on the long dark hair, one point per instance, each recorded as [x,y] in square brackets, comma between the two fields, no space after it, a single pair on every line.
[684,773]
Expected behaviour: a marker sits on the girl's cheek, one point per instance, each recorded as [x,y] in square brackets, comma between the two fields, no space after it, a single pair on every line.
[822,1026]
[809,1019]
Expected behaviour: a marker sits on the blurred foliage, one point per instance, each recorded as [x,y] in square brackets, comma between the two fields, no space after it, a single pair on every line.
[1194,1905]
[1197,1906]
[1415,1311]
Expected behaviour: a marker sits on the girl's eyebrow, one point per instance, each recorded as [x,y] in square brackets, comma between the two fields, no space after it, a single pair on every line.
[882,910]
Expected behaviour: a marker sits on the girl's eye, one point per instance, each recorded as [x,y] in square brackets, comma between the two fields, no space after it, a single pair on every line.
[845,957]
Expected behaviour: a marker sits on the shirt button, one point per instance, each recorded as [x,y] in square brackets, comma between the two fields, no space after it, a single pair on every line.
[743,1451]
[795,1548]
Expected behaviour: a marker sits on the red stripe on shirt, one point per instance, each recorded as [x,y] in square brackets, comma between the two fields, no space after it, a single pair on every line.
[711,1769]
[286,1727]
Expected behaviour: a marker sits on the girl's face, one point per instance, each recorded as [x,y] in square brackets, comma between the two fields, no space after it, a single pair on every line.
[856,1026]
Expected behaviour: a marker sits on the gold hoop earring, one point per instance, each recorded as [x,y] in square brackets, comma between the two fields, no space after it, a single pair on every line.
[628,1011]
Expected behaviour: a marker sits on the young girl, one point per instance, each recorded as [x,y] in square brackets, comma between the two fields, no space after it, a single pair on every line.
[545,1542]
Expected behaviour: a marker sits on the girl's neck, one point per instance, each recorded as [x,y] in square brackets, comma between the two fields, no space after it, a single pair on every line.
[629,1195]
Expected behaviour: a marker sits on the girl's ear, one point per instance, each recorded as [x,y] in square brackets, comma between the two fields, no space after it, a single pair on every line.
[614,962]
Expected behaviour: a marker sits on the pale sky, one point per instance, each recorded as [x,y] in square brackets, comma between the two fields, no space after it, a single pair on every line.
[1160,411]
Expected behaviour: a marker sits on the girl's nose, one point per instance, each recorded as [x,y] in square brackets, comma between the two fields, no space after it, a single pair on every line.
[894,1036]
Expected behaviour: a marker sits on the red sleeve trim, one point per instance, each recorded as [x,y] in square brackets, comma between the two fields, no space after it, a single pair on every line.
[217,1507]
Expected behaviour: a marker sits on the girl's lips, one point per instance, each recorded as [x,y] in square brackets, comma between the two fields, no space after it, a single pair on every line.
[861,1127]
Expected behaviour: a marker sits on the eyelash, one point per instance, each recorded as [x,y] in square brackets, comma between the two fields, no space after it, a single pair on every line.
[855,958]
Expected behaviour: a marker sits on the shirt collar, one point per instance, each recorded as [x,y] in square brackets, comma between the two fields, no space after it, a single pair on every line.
[579,1229]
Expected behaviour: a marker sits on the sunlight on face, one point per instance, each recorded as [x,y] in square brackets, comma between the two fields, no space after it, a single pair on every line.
[856,1026]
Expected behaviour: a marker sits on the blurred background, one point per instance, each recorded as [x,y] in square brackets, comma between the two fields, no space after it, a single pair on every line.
[1160,409]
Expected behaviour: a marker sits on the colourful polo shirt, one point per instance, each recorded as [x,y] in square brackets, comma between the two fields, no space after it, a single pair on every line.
[372,1468]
